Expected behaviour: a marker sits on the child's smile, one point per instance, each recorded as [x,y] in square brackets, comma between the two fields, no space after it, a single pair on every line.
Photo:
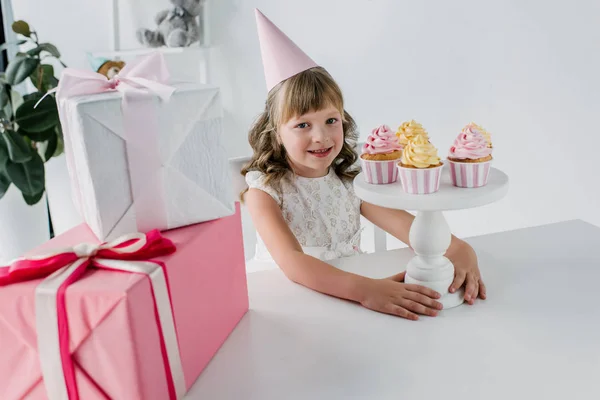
[324,152]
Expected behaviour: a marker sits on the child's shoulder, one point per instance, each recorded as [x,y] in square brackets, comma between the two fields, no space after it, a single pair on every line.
[255,176]
[258,180]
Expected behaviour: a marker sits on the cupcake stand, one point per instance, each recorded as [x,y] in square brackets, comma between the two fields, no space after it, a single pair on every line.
[430,234]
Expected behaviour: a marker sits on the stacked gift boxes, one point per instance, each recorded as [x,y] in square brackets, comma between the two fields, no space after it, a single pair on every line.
[140,316]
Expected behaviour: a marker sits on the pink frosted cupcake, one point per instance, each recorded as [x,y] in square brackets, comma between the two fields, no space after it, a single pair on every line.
[478,128]
[470,158]
[379,156]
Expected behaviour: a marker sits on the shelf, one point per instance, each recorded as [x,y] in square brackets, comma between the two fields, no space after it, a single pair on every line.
[146,50]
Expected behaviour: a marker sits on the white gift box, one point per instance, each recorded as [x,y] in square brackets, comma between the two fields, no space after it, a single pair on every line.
[195,181]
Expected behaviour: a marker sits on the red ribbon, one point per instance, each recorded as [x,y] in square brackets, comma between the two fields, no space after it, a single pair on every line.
[36,267]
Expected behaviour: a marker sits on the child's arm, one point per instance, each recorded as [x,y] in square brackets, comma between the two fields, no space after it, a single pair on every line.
[383,295]
[397,223]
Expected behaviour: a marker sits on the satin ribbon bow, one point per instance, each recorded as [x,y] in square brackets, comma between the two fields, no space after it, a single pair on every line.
[141,75]
[144,74]
[62,267]
[344,249]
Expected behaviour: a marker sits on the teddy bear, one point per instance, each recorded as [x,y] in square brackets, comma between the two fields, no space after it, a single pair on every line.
[176,27]
[106,67]
[111,68]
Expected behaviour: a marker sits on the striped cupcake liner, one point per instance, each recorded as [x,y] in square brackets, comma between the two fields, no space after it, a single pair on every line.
[469,175]
[420,181]
[379,172]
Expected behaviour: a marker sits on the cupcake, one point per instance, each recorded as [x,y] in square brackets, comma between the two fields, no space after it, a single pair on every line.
[409,130]
[379,156]
[470,158]
[473,127]
[420,167]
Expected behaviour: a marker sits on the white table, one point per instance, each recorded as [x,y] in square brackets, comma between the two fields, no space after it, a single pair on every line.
[536,337]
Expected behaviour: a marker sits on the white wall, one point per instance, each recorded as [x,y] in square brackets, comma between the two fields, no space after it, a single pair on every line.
[527,70]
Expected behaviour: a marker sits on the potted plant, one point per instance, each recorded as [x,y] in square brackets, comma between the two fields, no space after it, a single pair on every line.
[28,136]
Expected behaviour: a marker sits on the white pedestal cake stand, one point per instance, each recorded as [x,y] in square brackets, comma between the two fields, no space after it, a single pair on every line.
[430,234]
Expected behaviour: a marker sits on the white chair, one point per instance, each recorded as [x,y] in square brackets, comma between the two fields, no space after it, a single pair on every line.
[239,184]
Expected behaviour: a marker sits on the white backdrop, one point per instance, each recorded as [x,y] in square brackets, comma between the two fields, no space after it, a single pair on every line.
[527,70]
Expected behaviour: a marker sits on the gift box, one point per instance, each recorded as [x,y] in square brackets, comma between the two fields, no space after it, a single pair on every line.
[115,343]
[143,154]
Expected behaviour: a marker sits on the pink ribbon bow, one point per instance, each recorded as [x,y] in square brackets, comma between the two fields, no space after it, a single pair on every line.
[145,74]
[139,81]
[62,267]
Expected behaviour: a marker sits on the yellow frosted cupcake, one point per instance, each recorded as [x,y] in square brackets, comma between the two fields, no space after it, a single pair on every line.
[420,153]
[409,130]
[420,167]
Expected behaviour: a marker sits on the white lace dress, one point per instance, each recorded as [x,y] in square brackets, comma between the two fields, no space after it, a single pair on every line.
[322,213]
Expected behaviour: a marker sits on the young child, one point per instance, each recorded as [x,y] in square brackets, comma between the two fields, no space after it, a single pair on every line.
[300,194]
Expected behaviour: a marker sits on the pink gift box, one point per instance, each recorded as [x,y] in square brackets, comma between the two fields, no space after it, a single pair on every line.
[114,336]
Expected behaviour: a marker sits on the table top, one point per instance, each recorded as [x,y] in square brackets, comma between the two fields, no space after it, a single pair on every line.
[449,197]
[536,337]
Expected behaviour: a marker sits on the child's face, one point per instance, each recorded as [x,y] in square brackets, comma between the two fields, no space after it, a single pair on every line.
[313,141]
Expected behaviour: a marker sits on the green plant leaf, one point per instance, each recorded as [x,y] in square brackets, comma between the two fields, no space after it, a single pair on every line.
[35,96]
[17,100]
[7,112]
[4,183]
[60,147]
[4,97]
[39,119]
[3,154]
[49,47]
[59,131]
[39,136]
[31,200]
[4,46]
[28,177]
[48,148]
[60,143]
[18,149]
[20,68]
[22,28]
[48,80]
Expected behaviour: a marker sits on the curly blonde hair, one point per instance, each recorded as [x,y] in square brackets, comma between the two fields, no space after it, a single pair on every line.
[310,90]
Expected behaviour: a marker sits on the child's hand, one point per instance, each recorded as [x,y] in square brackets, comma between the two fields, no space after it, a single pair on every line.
[466,271]
[393,296]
